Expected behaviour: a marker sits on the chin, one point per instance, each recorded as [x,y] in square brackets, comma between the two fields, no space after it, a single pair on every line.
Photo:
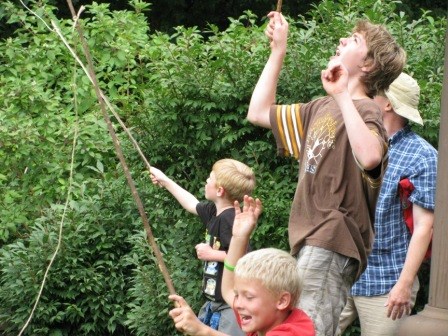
[247,329]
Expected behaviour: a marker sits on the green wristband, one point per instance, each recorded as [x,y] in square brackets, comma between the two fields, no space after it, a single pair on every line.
[228,267]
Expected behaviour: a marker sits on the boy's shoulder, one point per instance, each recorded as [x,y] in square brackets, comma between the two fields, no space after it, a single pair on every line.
[297,323]
[208,210]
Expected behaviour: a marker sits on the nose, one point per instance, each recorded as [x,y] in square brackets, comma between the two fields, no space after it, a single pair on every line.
[343,40]
[236,302]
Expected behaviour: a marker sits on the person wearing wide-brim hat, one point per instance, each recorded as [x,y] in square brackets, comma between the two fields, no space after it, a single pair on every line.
[385,293]
[402,99]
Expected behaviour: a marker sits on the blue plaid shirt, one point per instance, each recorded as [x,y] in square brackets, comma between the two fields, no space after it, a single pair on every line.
[412,157]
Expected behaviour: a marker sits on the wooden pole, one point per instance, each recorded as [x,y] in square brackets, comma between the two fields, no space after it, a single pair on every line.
[119,153]
[433,319]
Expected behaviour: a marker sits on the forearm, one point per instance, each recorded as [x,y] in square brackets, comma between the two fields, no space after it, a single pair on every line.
[185,198]
[238,247]
[364,143]
[416,253]
[216,255]
[263,96]
[399,302]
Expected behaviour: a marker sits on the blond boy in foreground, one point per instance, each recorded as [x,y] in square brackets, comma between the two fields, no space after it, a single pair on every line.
[262,288]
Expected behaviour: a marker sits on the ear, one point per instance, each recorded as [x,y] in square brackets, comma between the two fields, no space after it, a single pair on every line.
[388,107]
[366,68]
[367,65]
[220,192]
[284,300]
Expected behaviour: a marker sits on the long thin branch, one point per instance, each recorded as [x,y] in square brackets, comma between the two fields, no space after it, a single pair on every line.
[118,150]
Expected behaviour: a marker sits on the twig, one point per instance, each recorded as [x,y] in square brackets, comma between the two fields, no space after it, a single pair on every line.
[279,6]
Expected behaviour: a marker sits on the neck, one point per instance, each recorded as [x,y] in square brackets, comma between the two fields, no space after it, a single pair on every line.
[356,89]
[393,123]
[222,205]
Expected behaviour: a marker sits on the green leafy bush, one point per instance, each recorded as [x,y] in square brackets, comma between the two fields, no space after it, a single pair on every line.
[185,98]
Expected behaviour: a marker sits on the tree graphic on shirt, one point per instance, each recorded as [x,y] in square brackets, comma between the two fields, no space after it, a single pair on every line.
[320,138]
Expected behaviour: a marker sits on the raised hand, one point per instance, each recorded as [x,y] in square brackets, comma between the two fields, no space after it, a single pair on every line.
[277,31]
[246,218]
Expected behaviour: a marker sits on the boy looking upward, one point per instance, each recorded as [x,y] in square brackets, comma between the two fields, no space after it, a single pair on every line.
[262,288]
[341,145]
[229,180]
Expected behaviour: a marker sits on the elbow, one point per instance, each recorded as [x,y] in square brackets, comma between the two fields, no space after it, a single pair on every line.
[259,117]
[252,116]
[370,157]
[370,162]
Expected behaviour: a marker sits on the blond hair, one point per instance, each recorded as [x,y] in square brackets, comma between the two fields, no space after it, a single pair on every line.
[276,269]
[385,57]
[235,177]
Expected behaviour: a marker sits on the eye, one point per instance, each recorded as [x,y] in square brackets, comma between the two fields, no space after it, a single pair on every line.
[249,297]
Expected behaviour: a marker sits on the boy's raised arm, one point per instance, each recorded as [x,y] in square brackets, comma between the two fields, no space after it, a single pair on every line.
[365,144]
[263,96]
[243,225]
[185,198]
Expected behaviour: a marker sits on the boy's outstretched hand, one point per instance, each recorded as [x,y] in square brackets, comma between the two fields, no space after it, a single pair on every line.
[158,177]
[246,219]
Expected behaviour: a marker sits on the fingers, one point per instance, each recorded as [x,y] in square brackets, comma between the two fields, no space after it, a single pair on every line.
[178,300]
[152,174]
[249,205]
[177,314]
[398,311]
[258,207]
[156,176]
[332,72]
[236,205]
[276,22]
[252,205]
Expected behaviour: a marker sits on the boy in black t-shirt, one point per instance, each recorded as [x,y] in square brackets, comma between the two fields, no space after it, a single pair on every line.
[229,180]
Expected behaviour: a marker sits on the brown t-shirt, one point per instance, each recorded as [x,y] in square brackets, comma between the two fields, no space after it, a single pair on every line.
[334,203]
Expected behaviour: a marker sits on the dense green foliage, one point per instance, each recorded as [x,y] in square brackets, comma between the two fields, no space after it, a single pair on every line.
[185,97]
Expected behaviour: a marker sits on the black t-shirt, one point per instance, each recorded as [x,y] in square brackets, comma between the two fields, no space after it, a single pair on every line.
[218,234]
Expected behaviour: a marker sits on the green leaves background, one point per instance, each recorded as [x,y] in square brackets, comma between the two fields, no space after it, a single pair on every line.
[184,96]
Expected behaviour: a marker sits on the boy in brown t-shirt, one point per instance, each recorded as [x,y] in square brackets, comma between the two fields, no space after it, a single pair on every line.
[341,145]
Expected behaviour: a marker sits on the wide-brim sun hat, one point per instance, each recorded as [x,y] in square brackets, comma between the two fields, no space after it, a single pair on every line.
[404,94]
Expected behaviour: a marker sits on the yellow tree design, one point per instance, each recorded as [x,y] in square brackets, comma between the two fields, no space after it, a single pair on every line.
[320,138]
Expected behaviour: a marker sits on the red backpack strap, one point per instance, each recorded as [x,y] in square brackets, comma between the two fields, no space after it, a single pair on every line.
[405,188]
